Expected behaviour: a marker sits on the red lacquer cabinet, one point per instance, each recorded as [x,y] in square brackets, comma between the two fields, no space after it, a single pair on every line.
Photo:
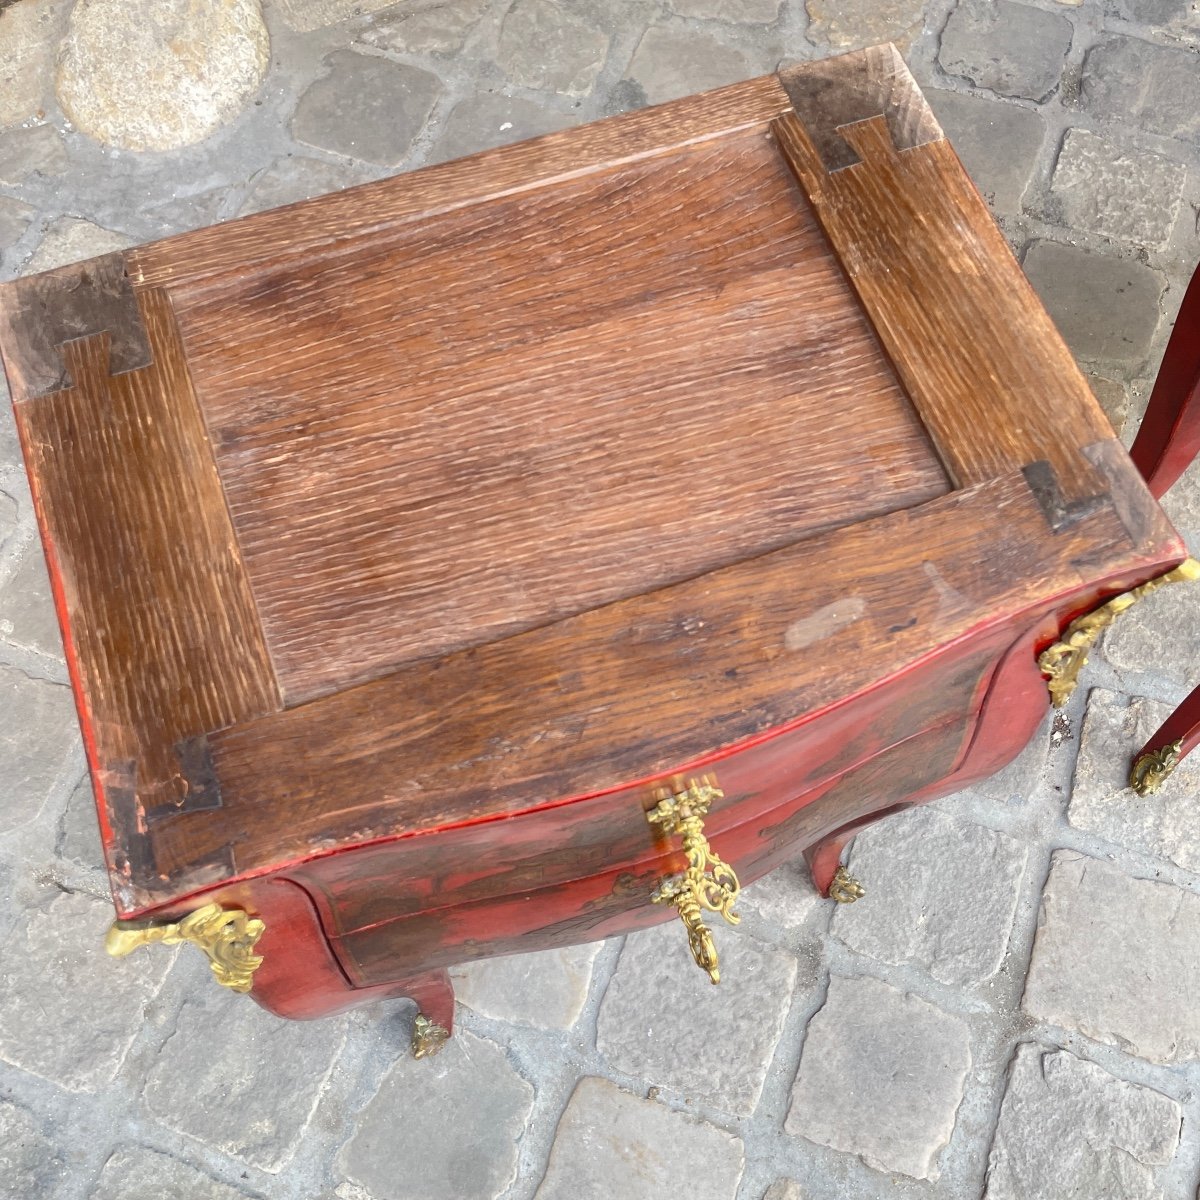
[532,548]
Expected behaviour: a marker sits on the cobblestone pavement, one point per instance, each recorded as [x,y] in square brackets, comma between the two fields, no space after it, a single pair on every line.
[1012,1010]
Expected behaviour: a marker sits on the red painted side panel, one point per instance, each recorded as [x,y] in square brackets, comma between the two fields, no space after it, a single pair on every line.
[360,926]
[574,872]
[555,845]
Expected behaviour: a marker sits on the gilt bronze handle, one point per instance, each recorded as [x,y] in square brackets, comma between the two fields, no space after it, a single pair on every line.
[708,883]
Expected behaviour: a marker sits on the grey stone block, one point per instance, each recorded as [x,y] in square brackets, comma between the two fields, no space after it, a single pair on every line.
[786,897]
[37,734]
[27,614]
[756,12]
[1160,12]
[670,63]
[1117,191]
[546,990]
[612,1143]
[1113,398]
[307,15]
[852,24]
[546,46]
[10,449]
[1154,635]
[366,107]
[1156,88]
[784,1189]
[1067,1128]
[942,894]
[30,1164]
[881,1076]
[198,66]
[235,1077]
[8,519]
[489,119]
[1109,960]
[298,178]
[458,1141]
[1182,506]
[80,831]
[69,240]
[641,1033]
[29,39]
[1106,308]
[25,153]
[998,143]
[133,1173]
[68,1013]
[14,220]
[424,27]
[1012,49]
[1166,824]
[189,211]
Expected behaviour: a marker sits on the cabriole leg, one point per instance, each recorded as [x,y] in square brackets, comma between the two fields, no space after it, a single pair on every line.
[434,1023]
[824,858]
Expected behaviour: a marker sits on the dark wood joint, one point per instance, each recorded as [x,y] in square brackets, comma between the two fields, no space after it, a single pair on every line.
[1060,513]
[837,93]
[1131,499]
[146,818]
[200,787]
[131,853]
[42,314]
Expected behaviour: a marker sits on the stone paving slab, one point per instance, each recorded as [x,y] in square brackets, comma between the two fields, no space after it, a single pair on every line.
[1167,824]
[1009,1012]
[659,1007]
[612,1143]
[98,1010]
[546,990]
[1109,960]
[138,1174]
[458,1139]
[234,1077]
[881,1076]
[947,892]
[1067,1126]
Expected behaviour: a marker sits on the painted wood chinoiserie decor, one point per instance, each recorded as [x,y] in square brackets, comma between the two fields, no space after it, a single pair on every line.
[528,549]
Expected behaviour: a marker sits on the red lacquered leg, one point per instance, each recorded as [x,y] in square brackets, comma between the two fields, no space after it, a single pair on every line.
[829,877]
[1176,738]
[434,1023]
[824,858]
[1169,438]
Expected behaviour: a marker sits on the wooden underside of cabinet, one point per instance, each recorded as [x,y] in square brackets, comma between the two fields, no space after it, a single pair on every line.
[406,540]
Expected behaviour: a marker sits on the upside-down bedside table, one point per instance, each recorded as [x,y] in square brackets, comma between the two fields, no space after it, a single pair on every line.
[529,549]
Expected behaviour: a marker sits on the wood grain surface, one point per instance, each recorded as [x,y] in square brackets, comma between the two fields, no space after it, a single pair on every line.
[582,407]
[160,626]
[546,474]
[643,686]
[346,222]
[992,379]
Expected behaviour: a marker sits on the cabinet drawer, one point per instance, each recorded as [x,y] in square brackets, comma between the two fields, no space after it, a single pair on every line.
[556,844]
[617,900]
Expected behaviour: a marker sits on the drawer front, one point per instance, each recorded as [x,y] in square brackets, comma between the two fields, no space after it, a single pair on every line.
[557,844]
[617,900]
